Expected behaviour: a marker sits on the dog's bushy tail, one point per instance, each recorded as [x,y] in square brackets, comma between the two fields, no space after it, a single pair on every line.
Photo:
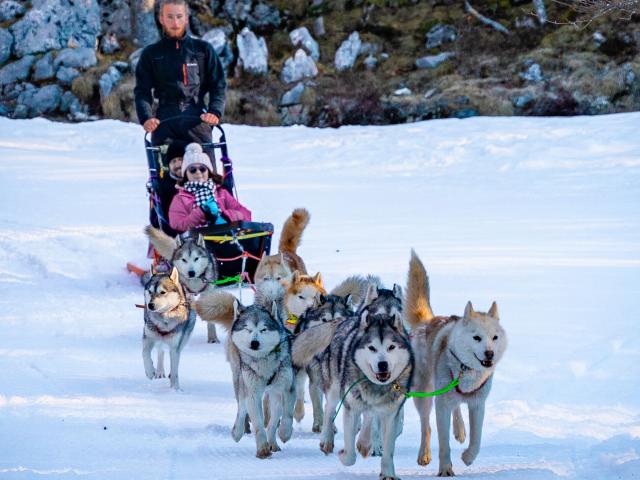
[417,307]
[356,286]
[216,306]
[163,243]
[292,230]
[309,343]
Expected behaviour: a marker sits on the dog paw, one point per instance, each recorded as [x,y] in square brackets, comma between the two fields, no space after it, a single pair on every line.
[213,340]
[274,447]
[326,447]
[316,428]
[285,430]
[159,374]
[347,459]
[468,456]
[386,477]
[364,448]
[298,413]
[264,451]
[446,471]
[425,459]
[151,374]
[237,431]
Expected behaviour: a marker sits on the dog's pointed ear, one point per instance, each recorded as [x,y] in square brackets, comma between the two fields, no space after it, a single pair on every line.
[237,309]
[282,258]
[175,276]
[364,319]
[322,298]
[493,311]
[264,255]
[295,278]
[200,241]
[348,301]
[179,241]
[371,295]
[397,322]
[317,279]
[468,310]
[153,269]
[397,291]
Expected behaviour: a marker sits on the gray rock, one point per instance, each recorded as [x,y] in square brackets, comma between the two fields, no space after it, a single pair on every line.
[302,37]
[109,43]
[218,38]
[368,48]
[433,61]
[43,68]
[21,111]
[522,101]
[16,71]
[122,66]
[348,51]
[76,57]
[298,67]
[371,62]
[264,17]
[4,110]
[41,100]
[68,98]
[295,115]
[292,97]
[145,30]
[108,80]
[318,27]
[533,74]
[13,91]
[402,92]
[526,22]
[66,75]
[116,17]
[628,74]
[133,59]
[253,52]
[56,24]
[599,38]
[10,9]
[237,11]
[441,34]
[6,42]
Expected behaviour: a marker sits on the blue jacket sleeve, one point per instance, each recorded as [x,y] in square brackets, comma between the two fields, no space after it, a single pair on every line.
[144,84]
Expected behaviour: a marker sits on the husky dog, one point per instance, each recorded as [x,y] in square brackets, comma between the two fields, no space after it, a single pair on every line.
[259,352]
[168,321]
[369,362]
[331,309]
[447,348]
[281,266]
[194,262]
[301,293]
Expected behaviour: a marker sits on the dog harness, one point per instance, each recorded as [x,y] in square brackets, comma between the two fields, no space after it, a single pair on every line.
[292,319]
[465,368]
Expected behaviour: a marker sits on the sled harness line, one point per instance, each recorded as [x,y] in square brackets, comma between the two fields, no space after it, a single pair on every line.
[454,383]
[229,238]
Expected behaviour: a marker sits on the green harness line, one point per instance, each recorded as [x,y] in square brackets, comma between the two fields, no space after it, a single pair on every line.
[454,383]
[222,281]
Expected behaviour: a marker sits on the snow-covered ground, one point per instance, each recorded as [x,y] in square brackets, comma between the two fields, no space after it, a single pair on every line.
[540,214]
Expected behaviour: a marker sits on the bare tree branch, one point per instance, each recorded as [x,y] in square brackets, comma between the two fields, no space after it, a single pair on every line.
[590,10]
[485,20]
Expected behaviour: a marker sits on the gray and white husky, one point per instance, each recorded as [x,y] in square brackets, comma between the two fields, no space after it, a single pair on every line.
[167,321]
[446,348]
[259,352]
[369,363]
[194,262]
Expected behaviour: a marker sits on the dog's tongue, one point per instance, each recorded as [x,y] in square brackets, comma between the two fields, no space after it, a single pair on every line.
[383,377]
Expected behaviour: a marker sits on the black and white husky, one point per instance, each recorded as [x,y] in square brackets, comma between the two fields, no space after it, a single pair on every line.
[167,321]
[259,352]
[369,363]
[194,262]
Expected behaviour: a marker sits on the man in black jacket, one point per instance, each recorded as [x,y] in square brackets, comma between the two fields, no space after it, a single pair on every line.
[180,71]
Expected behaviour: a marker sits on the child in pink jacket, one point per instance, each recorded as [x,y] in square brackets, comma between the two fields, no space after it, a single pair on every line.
[201,200]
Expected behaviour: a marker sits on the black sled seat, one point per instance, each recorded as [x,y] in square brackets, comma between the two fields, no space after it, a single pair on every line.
[237,248]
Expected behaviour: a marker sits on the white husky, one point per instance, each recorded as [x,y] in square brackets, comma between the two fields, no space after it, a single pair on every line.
[447,348]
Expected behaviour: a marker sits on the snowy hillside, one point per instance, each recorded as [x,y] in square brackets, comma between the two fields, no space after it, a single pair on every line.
[540,214]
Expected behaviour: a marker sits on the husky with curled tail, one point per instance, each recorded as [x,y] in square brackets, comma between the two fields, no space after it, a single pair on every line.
[197,268]
[280,267]
[446,348]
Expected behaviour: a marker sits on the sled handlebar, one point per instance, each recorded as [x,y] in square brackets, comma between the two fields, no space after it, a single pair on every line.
[221,143]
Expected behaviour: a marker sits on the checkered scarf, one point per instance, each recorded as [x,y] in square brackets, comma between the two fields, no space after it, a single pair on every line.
[203,191]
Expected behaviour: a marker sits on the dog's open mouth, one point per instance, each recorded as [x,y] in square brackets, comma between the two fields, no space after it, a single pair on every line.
[485,363]
[383,376]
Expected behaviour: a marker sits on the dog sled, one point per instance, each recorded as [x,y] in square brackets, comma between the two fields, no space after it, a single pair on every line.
[237,247]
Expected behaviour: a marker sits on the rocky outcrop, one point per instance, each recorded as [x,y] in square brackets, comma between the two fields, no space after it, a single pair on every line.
[298,67]
[6,42]
[56,24]
[348,52]
[253,54]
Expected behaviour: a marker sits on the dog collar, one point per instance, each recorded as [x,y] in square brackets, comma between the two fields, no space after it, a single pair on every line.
[292,319]
[463,366]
